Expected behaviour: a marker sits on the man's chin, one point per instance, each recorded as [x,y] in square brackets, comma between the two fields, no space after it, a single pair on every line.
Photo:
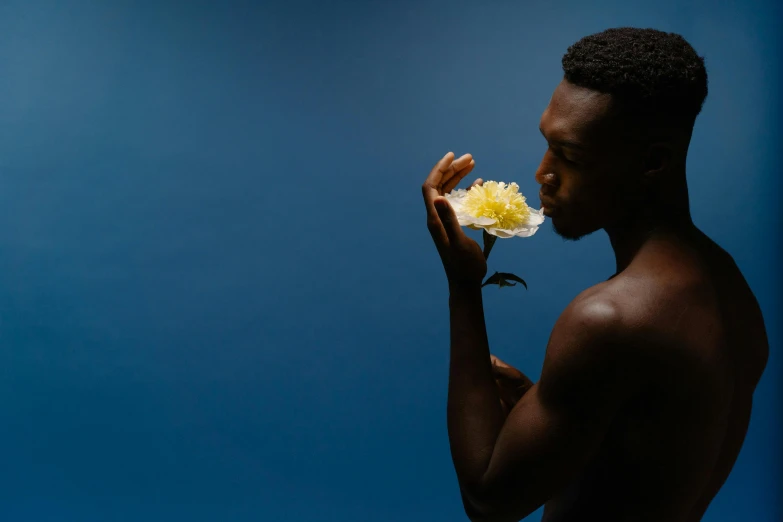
[567,231]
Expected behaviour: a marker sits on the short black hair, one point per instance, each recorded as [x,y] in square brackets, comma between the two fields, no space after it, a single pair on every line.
[655,75]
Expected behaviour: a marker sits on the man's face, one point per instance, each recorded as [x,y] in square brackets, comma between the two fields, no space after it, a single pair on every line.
[589,167]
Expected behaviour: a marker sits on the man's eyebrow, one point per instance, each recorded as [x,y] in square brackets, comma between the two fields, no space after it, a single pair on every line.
[563,143]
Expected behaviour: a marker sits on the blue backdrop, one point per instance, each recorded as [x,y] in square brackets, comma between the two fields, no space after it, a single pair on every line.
[218,296]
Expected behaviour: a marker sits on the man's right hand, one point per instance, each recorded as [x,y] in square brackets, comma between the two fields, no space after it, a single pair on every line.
[512,384]
[463,258]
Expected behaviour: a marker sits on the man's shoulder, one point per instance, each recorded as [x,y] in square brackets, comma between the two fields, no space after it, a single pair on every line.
[593,321]
[649,318]
[599,309]
[637,299]
[589,347]
[615,315]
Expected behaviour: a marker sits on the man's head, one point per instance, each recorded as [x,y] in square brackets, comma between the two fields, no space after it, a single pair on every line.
[618,127]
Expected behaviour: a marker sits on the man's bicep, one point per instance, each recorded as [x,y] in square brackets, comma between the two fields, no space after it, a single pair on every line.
[539,451]
[559,425]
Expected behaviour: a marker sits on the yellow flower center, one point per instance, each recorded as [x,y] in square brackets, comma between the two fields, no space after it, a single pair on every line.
[498,201]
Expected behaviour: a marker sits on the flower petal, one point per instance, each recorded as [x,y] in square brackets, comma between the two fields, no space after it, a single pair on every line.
[526,232]
[483,221]
[536,217]
[466,219]
[499,232]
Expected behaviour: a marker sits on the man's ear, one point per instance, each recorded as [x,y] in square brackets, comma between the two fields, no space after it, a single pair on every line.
[658,160]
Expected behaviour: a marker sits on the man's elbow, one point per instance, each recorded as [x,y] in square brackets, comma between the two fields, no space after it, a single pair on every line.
[474,516]
[483,511]
[492,518]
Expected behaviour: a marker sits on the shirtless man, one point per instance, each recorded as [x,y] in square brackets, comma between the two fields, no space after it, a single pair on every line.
[647,384]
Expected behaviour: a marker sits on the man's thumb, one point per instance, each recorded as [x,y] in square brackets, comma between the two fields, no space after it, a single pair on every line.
[447,216]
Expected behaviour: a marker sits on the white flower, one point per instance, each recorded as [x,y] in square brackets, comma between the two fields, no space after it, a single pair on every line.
[497,208]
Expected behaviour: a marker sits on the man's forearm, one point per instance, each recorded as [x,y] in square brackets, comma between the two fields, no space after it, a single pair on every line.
[475,415]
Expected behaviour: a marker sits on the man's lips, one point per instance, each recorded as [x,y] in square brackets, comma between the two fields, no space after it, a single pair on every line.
[546,204]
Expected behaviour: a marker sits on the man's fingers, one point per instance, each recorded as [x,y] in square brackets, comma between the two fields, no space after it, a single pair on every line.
[504,370]
[444,170]
[432,189]
[444,162]
[456,171]
[495,360]
[479,181]
[454,180]
[507,373]
[435,179]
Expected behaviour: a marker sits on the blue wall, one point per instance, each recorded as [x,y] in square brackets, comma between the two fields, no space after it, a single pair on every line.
[218,297]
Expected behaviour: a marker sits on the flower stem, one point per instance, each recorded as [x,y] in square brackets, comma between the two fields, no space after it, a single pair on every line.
[489,241]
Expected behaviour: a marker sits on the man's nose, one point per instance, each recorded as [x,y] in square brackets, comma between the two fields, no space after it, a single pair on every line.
[545,177]
[544,174]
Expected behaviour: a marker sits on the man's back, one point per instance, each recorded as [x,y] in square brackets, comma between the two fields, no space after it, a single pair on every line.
[700,330]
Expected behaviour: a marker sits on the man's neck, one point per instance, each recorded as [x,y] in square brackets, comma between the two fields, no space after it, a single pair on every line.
[653,220]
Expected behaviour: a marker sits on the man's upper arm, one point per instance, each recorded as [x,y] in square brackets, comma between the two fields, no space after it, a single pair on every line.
[559,424]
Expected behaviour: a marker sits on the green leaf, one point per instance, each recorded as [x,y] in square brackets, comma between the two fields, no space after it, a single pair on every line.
[504,279]
[514,278]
